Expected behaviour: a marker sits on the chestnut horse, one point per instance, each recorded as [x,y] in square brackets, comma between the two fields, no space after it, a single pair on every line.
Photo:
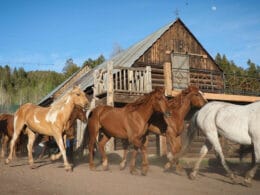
[6,131]
[128,122]
[179,108]
[49,121]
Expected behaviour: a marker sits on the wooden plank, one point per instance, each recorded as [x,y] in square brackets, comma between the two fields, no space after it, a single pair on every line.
[226,97]
[233,98]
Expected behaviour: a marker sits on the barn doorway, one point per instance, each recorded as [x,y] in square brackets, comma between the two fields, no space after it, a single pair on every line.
[180,70]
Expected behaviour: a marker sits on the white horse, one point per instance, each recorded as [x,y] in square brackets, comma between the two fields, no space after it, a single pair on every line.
[238,123]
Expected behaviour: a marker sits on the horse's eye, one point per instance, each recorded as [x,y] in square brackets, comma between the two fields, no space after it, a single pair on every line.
[78,94]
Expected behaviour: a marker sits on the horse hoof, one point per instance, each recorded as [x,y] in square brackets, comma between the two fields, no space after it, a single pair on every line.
[247,182]
[144,172]
[68,168]
[167,166]
[92,168]
[7,161]
[179,169]
[33,166]
[233,178]
[53,157]
[122,166]
[133,171]
[105,168]
[192,176]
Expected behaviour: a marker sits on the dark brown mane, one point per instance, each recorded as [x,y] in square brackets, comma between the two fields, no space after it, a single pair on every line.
[177,101]
[140,101]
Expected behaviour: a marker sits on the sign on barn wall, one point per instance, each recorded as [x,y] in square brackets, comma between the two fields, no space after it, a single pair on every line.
[180,70]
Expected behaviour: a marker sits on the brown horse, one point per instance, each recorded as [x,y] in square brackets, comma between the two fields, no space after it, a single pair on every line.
[179,107]
[128,122]
[6,131]
[49,121]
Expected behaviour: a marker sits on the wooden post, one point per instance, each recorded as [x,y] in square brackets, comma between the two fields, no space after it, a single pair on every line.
[130,80]
[110,100]
[110,84]
[148,80]
[167,70]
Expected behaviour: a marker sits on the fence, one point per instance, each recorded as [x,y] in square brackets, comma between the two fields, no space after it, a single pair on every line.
[122,79]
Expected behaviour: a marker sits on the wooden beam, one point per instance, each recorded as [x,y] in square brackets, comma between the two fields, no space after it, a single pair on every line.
[232,98]
[226,97]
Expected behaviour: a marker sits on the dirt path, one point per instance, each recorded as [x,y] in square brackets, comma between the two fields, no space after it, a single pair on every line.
[51,178]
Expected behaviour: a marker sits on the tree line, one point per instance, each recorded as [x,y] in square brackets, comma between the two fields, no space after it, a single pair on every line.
[18,86]
[240,80]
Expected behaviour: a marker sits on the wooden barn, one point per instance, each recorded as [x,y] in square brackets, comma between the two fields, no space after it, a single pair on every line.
[171,57]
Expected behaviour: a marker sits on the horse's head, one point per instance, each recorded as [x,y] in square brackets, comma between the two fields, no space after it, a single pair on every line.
[79,97]
[80,114]
[196,96]
[160,103]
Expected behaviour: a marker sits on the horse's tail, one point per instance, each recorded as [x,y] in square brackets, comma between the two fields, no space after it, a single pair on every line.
[188,135]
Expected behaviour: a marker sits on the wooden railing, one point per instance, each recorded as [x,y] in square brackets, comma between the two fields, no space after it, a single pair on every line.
[217,82]
[122,79]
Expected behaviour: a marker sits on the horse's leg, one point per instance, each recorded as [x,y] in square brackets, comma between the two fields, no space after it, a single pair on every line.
[18,129]
[219,151]
[5,140]
[101,147]
[31,138]
[125,144]
[175,147]
[91,145]
[15,148]
[143,149]
[59,141]
[59,154]
[203,152]
[145,164]
[251,173]
[133,160]
[175,144]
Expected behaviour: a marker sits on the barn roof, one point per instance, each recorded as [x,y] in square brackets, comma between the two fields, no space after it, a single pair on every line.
[125,58]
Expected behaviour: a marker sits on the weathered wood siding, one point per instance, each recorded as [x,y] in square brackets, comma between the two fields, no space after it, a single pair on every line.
[179,40]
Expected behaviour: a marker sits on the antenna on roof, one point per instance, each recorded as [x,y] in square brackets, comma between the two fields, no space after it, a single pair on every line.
[177,13]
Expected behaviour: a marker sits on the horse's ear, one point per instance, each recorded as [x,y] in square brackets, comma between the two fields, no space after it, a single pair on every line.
[193,88]
[159,89]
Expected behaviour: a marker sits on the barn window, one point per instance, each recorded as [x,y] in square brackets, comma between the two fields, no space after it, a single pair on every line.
[180,70]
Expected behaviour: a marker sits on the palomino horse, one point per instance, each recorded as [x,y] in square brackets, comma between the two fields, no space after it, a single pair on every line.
[128,122]
[240,124]
[179,108]
[49,121]
[6,130]
[78,113]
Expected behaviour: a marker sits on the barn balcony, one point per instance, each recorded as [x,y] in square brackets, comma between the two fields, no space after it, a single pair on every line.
[124,85]
[121,84]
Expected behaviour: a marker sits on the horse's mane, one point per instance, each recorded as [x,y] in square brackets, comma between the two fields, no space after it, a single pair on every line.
[4,116]
[60,102]
[140,101]
[177,101]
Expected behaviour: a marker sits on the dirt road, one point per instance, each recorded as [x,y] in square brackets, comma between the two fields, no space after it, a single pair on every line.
[51,178]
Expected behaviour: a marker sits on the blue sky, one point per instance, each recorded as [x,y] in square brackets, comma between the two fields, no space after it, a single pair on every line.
[43,34]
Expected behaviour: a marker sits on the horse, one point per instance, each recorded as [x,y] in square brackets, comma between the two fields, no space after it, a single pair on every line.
[173,126]
[6,131]
[128,122]
[69,132]
[238,123]
[49,121]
